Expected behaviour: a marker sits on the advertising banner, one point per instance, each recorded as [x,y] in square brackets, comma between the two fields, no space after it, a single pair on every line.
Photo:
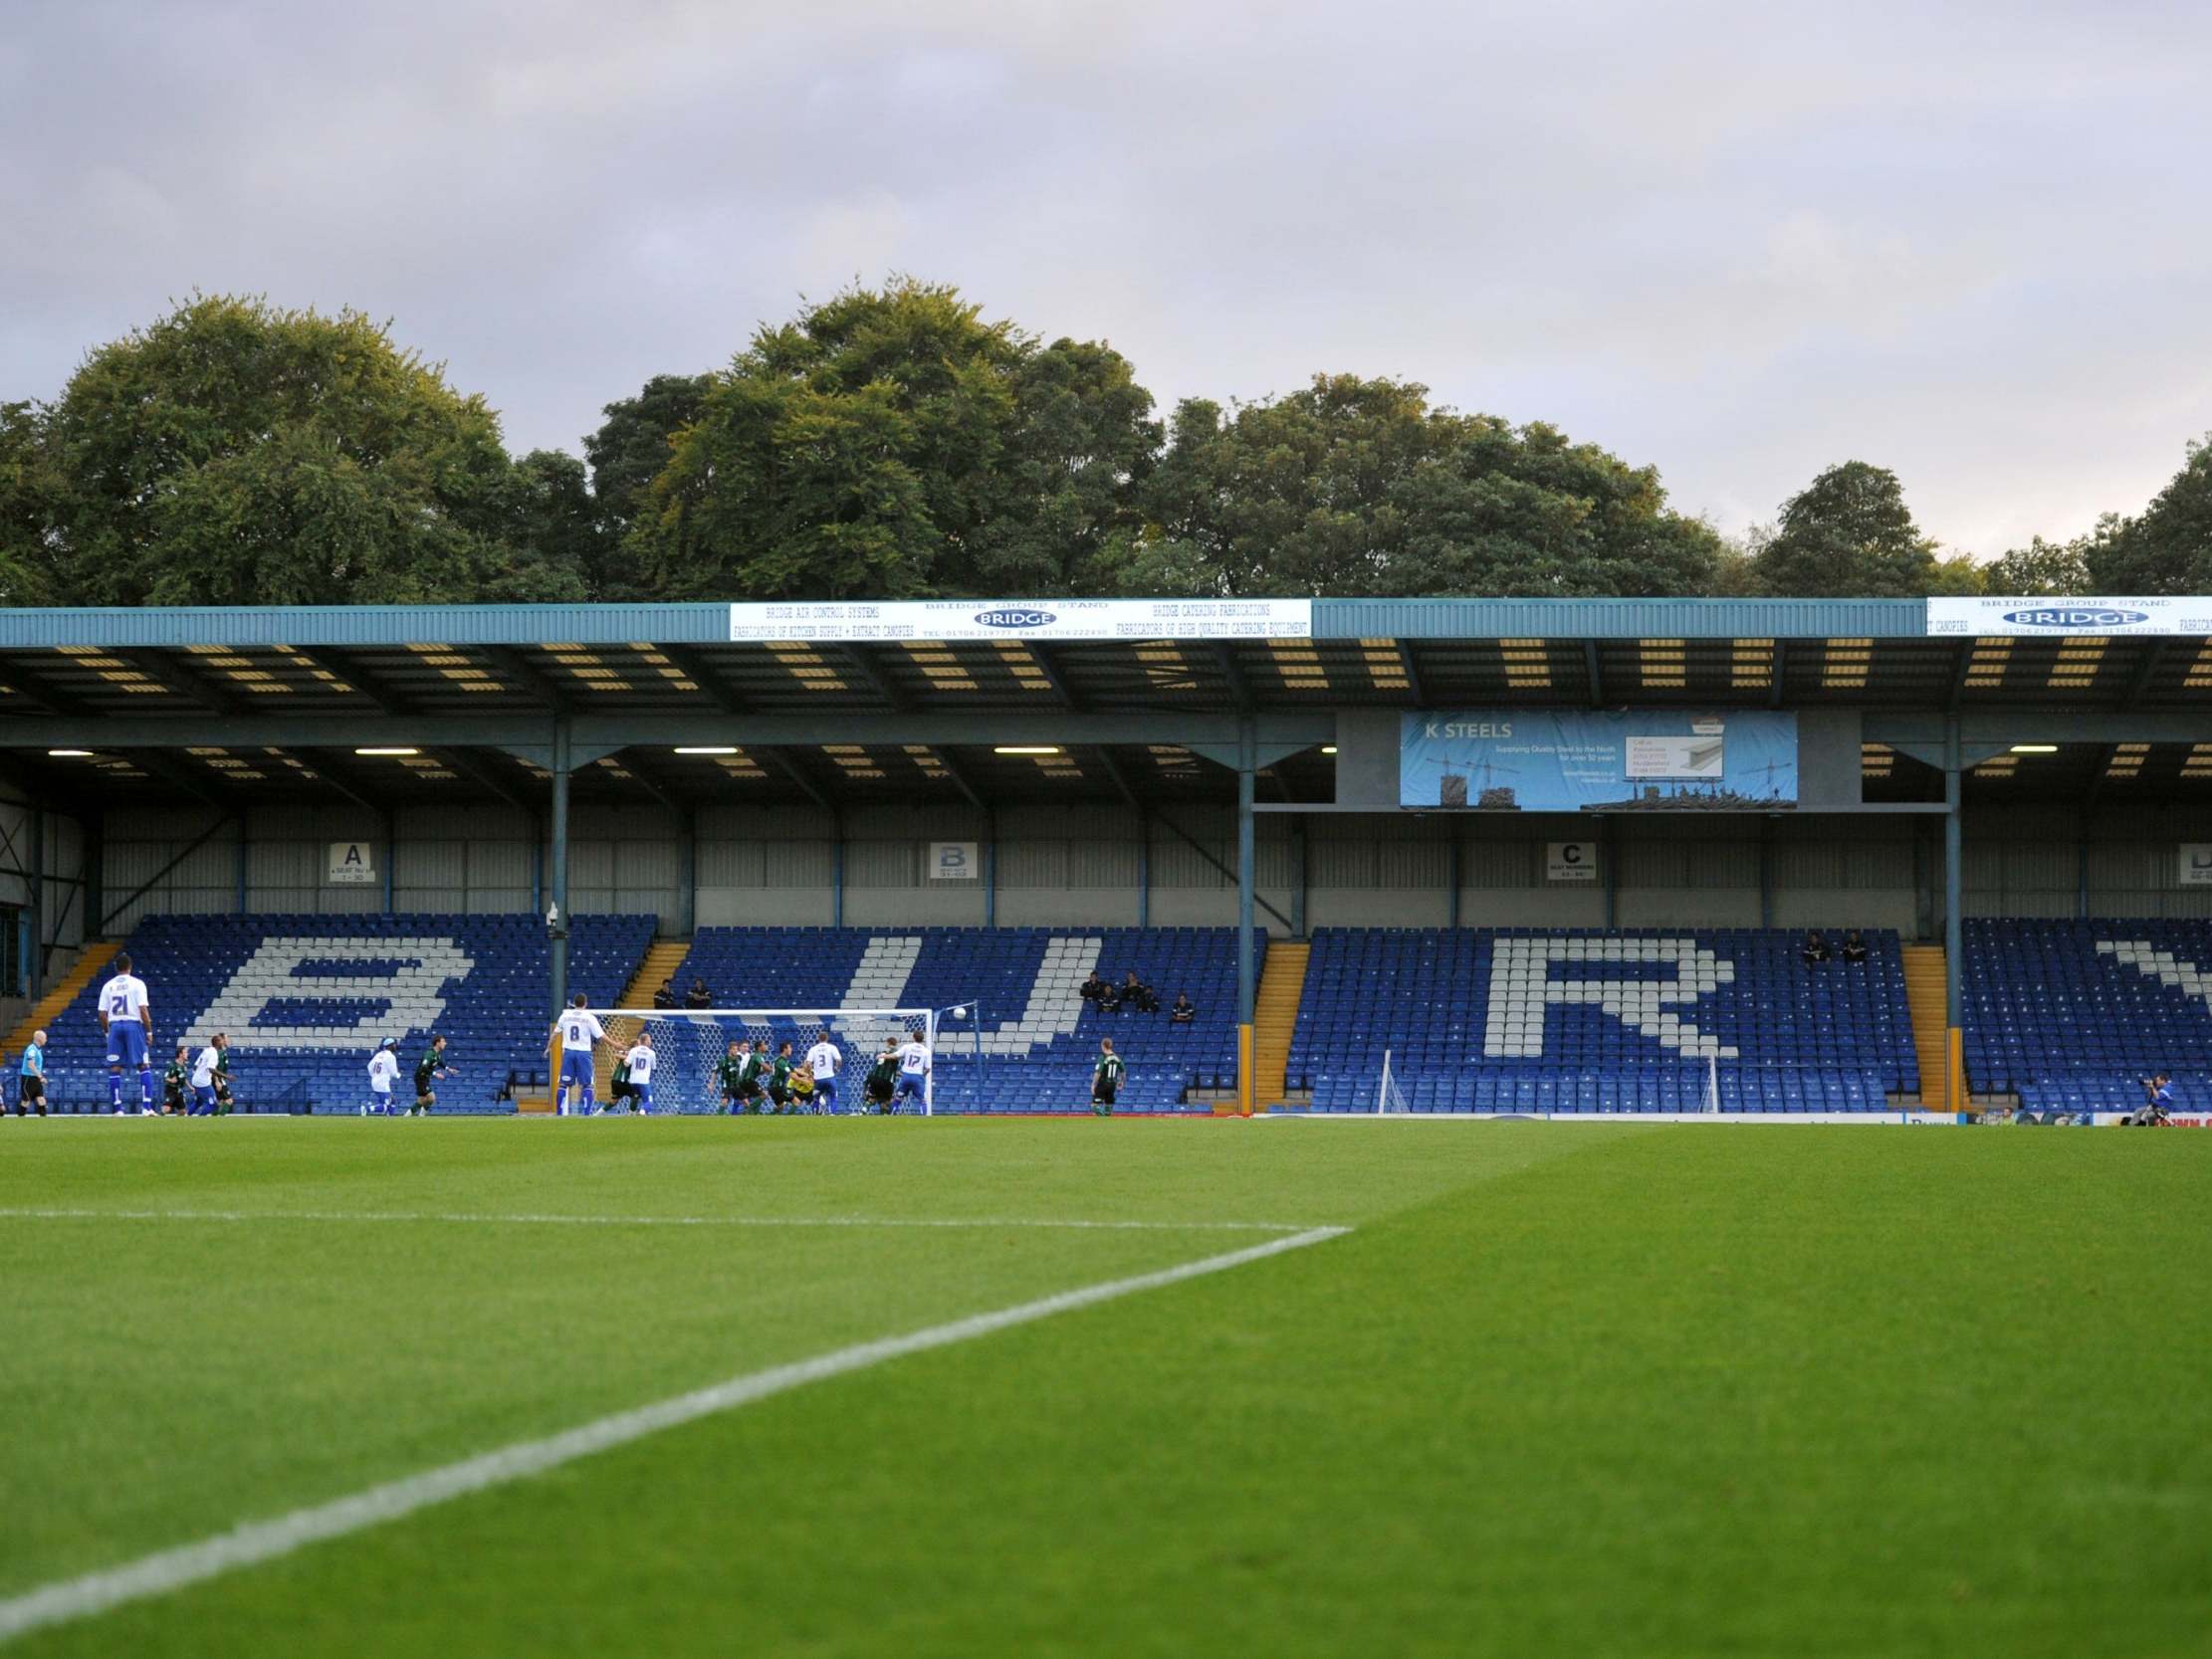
[1574,761]
[1998,618]
[1043,619]
[2196,864]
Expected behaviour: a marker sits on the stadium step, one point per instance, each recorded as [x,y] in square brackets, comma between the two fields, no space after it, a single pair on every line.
[1924,995]
[1282,983]
[51,1007]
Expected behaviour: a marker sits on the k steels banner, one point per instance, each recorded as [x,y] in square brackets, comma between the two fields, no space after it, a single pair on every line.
[2189,618]
[1572,761]
[1041,619]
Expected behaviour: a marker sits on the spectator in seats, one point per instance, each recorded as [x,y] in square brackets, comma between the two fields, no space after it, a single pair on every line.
[1148,1000]
[1816,950]
[665,998]
[1183,1013]
[699,996]
[1109,998]
[1855,949]
[1094,988]
[1135,993]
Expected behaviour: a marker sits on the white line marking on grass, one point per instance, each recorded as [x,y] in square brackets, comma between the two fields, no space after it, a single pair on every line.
[55,1214]
[251,1542]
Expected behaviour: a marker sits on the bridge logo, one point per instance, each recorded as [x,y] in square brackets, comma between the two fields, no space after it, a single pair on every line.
[2076,616]
[1010,616]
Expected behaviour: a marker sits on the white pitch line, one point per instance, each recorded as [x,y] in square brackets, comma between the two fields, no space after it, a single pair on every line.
[464,1218]
[251,1542]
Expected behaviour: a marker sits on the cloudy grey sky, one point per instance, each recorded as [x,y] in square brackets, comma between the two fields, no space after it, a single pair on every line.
[1741,239]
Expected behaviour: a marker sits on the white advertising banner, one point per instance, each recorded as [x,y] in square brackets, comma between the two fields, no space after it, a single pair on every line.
[1570,860]
[953,861]
[2196,864]
[1043,619]
[352,862]
[2189,618]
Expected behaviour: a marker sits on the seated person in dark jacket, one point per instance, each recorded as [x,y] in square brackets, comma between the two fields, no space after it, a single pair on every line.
[1148,1000]
[1109,998]
[1815,950]
[1094,987]
[665,998]
[699,996]
[1183,1013]
[1855,947]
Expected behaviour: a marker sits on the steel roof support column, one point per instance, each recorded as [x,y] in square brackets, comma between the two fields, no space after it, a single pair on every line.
[1144,868]
[557,903]
[245,841]
[991,868]
[687,872]
[1247,768]
[34,966]
[837,868]
[1954,945]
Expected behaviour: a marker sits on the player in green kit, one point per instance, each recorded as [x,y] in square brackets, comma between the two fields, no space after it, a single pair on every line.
[1105,1079]
[779,1079]
[177,1084]
[428,1069]
[883,1076]
[730,1073]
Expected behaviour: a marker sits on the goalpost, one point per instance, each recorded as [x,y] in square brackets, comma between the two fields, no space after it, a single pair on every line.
[1389,1098]
[689,1043]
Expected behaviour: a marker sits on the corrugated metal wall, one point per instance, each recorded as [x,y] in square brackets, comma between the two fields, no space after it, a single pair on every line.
[1082,868]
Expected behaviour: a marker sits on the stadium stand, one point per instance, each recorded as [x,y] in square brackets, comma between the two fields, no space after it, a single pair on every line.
[306,999]
[2072,1016]
[1562,1020]
[1022,986]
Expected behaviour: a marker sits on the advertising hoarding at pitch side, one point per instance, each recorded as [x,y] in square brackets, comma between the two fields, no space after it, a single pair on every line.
[859,621]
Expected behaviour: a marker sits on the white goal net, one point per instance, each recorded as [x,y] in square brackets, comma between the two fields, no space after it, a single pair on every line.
[763,1060]
[1389,1097]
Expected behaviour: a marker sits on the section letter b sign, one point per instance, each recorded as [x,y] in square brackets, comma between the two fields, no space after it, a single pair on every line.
[951,860]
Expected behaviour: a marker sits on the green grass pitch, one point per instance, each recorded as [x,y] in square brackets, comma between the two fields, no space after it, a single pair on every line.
[1562,1389]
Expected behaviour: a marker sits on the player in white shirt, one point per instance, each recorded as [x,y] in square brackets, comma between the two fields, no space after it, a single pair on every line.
[573,1034]
[826,1060]
[641,1059]
[126,1016]
[203,1077]
[383,1072]
[914,1069]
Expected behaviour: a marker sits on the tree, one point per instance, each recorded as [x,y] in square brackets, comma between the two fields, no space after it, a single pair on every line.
[1848,535]
[2040,569]
[892,443]
[553,547]
[632,449]
[26,504]
[1360,486]
[2169,547]
[1958,576]
[235,453]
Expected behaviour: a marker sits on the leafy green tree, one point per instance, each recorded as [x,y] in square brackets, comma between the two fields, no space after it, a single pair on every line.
[1848,535]
[2041,569]
[629,451]
[552,545]
[1956,576]
[235,453]
[891,442]
[2167,548]
[1353,486]
[27,506]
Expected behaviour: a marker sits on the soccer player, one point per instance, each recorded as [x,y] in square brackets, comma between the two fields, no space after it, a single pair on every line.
[31,1077]
[751,1072]
[641,1058]
[883,1075]
[222,1083]
[177,1084]
[1105,1079]
[383,1072]
[824,1060]
[779,1078]
[914,1070]
[203,1077]
[126,1016]
[802,1088]
[428,1069]
[730,1073]
[575,1031]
